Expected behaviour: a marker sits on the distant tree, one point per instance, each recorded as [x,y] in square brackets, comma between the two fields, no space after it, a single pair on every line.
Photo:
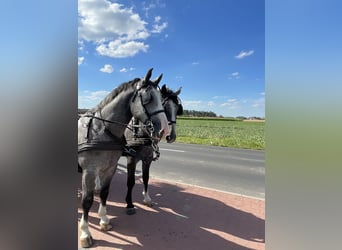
[241,117]
[195,113]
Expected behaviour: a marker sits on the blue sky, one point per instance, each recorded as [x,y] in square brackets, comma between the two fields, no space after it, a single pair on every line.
[213,49]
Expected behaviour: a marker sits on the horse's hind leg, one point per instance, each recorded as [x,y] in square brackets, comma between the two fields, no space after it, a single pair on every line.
[86,239]
[146,175]
[131,166]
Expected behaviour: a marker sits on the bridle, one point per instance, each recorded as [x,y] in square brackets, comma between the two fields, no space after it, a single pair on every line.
[177,101]
[154,143]
[147,124]
[144,103]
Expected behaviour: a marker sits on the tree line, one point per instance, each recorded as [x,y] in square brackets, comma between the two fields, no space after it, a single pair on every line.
[196,113]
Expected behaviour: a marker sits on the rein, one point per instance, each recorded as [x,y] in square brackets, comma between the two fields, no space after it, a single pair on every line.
[120,123]
[105,120]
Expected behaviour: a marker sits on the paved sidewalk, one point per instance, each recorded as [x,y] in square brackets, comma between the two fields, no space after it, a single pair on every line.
[182,217]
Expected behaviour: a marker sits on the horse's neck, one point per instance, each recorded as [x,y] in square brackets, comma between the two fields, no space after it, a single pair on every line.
[118,111]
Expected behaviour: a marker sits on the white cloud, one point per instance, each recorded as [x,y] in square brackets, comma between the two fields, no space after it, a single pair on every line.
[244,54]
[195,63]
[219,97]
[121,49]
[107,68]
[198,105]
[89,99]
[123,70]
[80,45]
[211,104]
[231,104]
[80,60]
[234,75]
[157,19]
[259,103]
[147,7]
[97,95]
[192,104]
[101,20]
[159,28]
[117,31]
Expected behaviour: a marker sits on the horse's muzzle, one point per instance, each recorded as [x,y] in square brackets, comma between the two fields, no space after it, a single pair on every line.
[170,139]
[164,127]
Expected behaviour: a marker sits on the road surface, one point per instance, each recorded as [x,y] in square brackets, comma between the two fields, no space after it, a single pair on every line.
[237,171]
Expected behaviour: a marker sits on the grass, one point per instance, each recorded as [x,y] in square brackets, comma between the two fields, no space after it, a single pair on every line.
[224,132]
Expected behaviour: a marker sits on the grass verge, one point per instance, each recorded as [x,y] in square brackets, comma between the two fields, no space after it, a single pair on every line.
[221,132]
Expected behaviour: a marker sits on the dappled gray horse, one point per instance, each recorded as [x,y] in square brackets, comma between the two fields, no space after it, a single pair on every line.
[145,148]
[101,141]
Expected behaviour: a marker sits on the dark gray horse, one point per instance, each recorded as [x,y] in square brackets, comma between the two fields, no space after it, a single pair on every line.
[140,142]
[101,141]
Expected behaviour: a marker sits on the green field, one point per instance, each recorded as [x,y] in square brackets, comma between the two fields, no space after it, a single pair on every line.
[221,132]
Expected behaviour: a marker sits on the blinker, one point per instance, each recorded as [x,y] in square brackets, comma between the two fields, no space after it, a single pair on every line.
[145,98]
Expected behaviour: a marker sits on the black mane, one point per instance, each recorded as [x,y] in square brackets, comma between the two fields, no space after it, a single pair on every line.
[170,94]
[122,87]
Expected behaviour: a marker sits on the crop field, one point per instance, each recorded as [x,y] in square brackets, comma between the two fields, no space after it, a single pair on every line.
[221,132]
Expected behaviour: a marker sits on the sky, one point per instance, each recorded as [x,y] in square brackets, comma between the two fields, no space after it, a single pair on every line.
[213,49]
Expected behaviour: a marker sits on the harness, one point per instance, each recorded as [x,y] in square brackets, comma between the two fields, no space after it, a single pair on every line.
[116,143]
[140,138]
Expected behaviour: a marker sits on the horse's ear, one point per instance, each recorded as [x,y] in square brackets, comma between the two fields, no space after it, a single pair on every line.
[157,80]
[178,91]
[163,89]
[148,75]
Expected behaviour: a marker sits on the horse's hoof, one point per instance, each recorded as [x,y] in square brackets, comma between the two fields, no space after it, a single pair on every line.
[105,227]
[148,203]
[130,211]
[86,242]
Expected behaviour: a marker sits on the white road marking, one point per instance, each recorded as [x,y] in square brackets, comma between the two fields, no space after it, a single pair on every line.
[172,150]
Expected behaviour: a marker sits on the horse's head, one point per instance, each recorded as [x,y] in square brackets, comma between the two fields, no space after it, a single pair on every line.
[173,107]
[147,107]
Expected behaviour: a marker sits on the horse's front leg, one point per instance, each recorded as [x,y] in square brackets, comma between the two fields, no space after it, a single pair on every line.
[131,166]
[106,179]
[88,184]
[146,175]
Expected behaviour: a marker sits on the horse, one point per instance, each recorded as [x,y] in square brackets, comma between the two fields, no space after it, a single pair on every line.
[138,140]
[101,139]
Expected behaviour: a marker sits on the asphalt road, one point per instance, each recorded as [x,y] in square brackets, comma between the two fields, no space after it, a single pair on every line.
[237,171]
